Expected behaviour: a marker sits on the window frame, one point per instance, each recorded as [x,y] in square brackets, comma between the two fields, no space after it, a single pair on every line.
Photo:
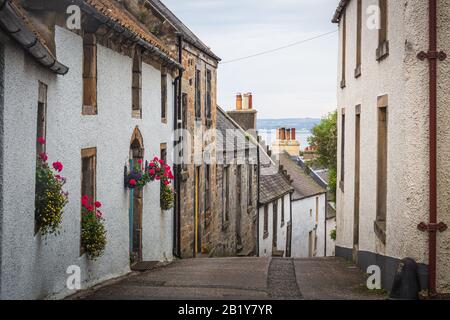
[89,103]
[164,97]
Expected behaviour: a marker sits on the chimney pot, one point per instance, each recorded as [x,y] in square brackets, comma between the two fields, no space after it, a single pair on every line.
[283,134]
[293,134]
[288,134]
[250,100]
[238,101]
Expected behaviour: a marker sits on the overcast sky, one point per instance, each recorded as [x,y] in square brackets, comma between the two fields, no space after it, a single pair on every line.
[293,83]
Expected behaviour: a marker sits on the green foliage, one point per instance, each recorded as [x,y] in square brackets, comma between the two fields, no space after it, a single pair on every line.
[50,199]
[333,234]
[167,197]
[93,232]
[324,139]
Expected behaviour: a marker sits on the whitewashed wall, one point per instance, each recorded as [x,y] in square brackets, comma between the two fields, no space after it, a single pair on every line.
[405,79]
[33,267]
[265,245]
[331,244]
[303,223]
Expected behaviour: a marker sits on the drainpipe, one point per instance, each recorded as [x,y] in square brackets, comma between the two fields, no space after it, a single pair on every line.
[433,226]
[177,125]
[259,198]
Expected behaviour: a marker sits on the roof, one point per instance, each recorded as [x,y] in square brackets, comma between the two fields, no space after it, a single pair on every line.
[304,185]
[14,21]
[339,10]
[244,142]
[188,35]
[273,184]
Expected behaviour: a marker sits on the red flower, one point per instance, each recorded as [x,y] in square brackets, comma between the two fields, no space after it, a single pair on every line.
[85,201]
[158,178]
[41,140]
[140,161]
[158,169]
[98,204]
[132,182]
[166,174]
[57,166]
[161,161]
[152,172]
[156,159]
[166,182]
[151,164]
[171,176]
[90,208]
[43,156]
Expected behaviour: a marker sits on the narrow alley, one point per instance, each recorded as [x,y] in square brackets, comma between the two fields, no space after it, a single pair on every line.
[241,279]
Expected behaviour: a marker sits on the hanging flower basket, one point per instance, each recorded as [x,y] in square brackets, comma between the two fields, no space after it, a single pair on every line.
[155,170]
[93,232]
[50,198]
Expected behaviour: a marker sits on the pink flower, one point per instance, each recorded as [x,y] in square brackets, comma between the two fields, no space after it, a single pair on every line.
[90,208]
[166,174]
[57,166]
[140,161]
[43,156]
[158,178]
[151,164]
[98,204]
[41,140]
[161,161]
[166,182]
[152,172]
[99,214]
[158,169]
[132,182]
[156,159]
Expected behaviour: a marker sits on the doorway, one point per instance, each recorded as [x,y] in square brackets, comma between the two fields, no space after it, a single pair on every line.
[136,200]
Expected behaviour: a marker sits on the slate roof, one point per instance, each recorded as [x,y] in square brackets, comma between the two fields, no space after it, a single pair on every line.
[304,185]
[339,10]
[273,184]
[188,35]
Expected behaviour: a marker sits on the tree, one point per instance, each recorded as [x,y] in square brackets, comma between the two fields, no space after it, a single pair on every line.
[324,140]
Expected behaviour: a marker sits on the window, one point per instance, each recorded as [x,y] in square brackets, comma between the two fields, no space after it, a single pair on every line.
[317,210]
[89,74]
[41,132]
[358,38]
[383,43]
[208,94]
[250,186]
[88,177]
[163,152]
[226,194]
[380,223]
[41,127]
[136,88]
[198,95]
[341,183]
[164,98]
[266,221]
[344,48]
[282,211]
[207,187]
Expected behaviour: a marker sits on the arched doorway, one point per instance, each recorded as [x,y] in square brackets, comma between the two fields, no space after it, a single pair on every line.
[136,197]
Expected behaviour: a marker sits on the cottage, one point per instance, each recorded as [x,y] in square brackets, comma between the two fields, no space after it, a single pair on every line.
[96,102]
[393,195]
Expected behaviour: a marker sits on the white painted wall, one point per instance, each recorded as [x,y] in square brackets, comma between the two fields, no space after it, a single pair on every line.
[331,244]
[303,222]
[33,267]
[265,244]
[405,79]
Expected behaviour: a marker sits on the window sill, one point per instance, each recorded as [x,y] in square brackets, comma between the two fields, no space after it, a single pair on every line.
[89,111]
[358,72]
[382,51]
[380,230]
[164,120]
[136,114]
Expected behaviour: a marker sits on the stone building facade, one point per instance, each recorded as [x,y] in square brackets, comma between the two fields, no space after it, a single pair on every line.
[386,102]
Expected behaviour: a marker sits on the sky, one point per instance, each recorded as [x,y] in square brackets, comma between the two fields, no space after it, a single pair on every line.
[297,82]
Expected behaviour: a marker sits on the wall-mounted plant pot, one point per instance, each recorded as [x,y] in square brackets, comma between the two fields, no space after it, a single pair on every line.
[132,176]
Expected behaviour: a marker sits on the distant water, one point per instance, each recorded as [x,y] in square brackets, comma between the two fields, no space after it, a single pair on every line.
[267,129]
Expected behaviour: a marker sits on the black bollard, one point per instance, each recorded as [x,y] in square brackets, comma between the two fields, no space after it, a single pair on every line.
[406,284]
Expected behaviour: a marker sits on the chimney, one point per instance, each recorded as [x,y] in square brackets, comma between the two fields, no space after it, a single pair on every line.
[293,135]
[245,105]
[278,134]
[238,101]
[288,134]
[250,101]
[283,134]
